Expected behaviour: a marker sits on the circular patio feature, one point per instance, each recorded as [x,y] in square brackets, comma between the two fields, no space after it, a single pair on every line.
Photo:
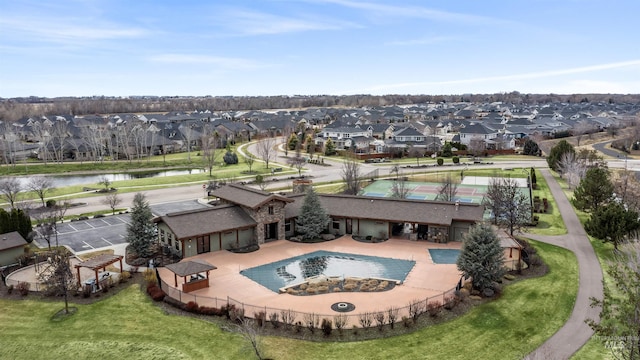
[343,307]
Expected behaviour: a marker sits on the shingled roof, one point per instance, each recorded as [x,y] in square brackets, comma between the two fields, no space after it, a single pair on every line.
[11,240]
[246,196]
[394,210]
[188,224]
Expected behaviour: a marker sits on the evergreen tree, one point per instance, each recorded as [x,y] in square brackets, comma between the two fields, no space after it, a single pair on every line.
[531,148]
[612,223]
[619,321]
[533,178]
[329,148]
[481,257]
[293,141]
[140,231]
[15,220]
[594,190]
[555,155]
[313,219]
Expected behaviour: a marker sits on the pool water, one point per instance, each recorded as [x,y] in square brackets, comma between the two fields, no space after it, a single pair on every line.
[444,256]
[297,269]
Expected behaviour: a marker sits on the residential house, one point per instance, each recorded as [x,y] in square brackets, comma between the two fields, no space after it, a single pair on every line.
[11,247]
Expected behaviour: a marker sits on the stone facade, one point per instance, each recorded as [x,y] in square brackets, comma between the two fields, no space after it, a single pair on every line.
[271,212]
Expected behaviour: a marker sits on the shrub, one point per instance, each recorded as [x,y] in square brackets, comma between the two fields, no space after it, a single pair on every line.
[260,317]
[433,308]
[124,276]
[311,320]
[440,161]
[365,319]
[379,317]
[154,292]
[392,315]
[456,160]
[288,316]
[50,203]
[354,329]
[340,321]
[236,314]
[326,327]
[10,289]
[150,276]
[273,319]
[23,288]
[535,260]
[192,306]
[416,308]
[406,321]
[451,301]
[86,291]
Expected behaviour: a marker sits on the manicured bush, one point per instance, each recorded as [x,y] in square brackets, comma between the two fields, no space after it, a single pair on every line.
[440,161]
[124,276]
[273,319]
[150,277]
[10,289]
[155,292]
[192,306]
[50,203]
[406,321]
[456,160]
[451,301]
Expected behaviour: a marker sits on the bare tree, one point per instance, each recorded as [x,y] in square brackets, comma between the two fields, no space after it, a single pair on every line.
[416,152]
[40,185]
[210,144]
[104,181]
[58,277]
[476,145]
[251,334]
[186,129]
[60,135]
[351,176]
[298,164]
[266,150]
[511,208]
[447,190]
[112,200]
[571,168]
[10,188]
[580,129]
[249,160]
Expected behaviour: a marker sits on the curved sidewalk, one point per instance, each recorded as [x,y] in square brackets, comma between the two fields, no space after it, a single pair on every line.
[575,332]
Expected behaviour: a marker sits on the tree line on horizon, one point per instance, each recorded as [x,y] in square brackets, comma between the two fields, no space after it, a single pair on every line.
[12,109]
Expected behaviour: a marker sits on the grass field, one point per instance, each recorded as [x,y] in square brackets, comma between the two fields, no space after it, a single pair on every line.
[128,323]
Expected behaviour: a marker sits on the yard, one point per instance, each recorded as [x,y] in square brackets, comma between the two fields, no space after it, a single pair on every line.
[525,315]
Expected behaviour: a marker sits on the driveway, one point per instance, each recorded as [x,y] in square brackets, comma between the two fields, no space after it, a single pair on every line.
[575,332]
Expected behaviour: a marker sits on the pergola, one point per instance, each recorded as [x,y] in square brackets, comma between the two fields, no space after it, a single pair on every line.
[191,269]
[96,263]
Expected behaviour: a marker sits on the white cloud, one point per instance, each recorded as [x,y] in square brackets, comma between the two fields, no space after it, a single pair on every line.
[414,12]
[257,23]
[67,29]
[514,77]
[225,62]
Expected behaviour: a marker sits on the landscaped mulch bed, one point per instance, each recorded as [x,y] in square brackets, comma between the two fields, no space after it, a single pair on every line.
[331,285]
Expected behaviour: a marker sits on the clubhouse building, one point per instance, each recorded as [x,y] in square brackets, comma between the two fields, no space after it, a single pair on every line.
[245,216]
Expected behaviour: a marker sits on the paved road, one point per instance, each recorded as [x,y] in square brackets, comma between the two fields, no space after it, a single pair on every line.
[575,333]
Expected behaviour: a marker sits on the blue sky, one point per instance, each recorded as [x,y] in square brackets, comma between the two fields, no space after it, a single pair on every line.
[288,47]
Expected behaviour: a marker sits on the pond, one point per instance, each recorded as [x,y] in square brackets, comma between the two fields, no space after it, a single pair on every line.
[93,179]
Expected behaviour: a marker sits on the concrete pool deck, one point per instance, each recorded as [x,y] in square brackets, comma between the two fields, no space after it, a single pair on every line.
[425,280]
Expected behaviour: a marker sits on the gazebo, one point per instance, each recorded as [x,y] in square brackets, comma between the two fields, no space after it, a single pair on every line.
[192,272]
[96,263]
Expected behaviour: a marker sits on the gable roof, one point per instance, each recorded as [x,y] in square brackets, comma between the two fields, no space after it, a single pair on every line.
[246,196]
[394,210]
[188,224]
[11,240]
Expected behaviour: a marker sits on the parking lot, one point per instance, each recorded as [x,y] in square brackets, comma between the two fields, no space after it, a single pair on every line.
[94,234]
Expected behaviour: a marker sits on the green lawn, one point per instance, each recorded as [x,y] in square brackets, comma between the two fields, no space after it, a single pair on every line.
[525,315]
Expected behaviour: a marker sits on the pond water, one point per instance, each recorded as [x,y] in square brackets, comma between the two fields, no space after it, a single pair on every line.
[296,269]
[93,179]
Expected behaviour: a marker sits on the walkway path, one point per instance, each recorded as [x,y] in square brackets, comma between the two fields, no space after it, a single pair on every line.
[575,332]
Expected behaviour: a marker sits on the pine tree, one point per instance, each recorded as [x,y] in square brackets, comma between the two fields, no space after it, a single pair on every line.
[613,223]
[555,155]
[329,148]
[140,234]
[481,257]
[313,219]
[595,189]
[293,141]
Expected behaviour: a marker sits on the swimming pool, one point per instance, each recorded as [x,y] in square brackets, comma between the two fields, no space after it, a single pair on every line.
[294,270]
[444,256]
